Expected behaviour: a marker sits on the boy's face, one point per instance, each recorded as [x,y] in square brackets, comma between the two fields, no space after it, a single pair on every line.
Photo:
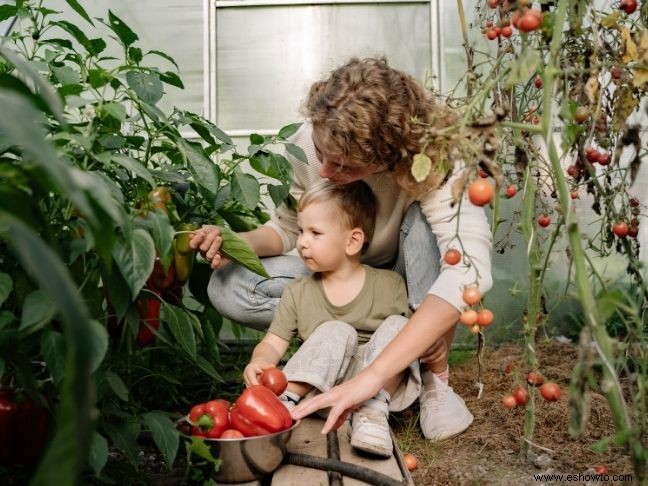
[323,240]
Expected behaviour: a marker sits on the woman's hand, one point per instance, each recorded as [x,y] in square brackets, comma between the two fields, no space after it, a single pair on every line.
[207,240]
[253,370]
[342,399]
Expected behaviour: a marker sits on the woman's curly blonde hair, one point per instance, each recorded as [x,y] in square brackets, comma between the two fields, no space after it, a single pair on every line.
[365,112]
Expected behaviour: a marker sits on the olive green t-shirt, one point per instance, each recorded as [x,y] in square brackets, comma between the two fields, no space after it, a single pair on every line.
[304,306]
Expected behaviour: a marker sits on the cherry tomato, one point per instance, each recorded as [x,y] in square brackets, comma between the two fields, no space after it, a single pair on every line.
[485,317]
[530,20]
[511,190]
[509,401]
[628,6]
[471,295]
[492,34]
[601,469]
[620,229]
[544,220]
[534,378]
[574,195]
[592,154]
[521,395]
[493,3]
[452,256]
[572,171]
[469,317]
[274,379]
[475,329]
[581,115]
[411,462]
[231,434]
[480,192]
[633,231]
[538,83]
[604,158]
[550,392]
[634,202]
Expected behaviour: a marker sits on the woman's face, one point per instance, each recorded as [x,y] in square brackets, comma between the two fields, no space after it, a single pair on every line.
[338,170]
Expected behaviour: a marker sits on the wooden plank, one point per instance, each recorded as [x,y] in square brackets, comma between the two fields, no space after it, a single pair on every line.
[348,454]
[305,439]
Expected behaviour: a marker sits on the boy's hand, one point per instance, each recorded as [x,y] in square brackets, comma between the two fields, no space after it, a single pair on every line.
[253,370]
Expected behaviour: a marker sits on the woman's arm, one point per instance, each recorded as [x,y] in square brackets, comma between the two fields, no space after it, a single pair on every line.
[432,320]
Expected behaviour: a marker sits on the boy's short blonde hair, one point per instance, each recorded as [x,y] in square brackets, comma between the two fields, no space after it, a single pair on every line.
[356,201]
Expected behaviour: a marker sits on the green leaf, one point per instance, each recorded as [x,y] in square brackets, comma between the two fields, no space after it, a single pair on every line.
[80,10]
[147,86]
[278,194]
[7,11]
[66,75]
[6,318]
[171,78]
[297,152]
[421,167]
[123,31]
[289,130]
[52,345]
[246,189]
[135,258]
[256,139]
[198,447]
[165,435]
[6,286]
[236,249]
[117,385]
[135,166]
[158,226]
[77,33]
[98,453]
[115,110]
[206,366]
[124,437]
[38,308]
[98,345]
[204,170]
[135,54]
[179,323]
[164,55]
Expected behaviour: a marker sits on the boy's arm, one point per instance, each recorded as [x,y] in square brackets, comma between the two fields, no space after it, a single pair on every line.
[266,355]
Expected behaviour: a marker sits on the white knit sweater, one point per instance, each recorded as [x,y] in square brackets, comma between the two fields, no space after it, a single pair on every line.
[473,228]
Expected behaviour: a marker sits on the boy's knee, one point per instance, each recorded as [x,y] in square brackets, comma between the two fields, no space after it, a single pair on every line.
[392,326]
[336,331]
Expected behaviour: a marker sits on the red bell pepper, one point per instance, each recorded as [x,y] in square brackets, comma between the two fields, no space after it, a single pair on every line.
[159,281]
[24,430]
[259,407]
[210,419]
[149,311]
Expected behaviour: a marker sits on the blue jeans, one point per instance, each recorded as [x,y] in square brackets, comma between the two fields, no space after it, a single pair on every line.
[251,300]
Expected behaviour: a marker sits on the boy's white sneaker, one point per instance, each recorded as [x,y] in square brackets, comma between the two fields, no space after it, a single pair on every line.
[369,429]
[443,413]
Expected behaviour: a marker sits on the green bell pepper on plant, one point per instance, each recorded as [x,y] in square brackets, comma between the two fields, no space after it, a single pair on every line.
[182,239]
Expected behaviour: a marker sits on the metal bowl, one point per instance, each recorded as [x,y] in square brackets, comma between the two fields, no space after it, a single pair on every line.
[249,458]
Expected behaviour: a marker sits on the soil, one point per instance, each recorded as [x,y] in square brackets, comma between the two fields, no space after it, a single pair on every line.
[489,452]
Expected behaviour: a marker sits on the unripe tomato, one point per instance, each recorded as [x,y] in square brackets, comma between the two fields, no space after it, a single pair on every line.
[633,231]
[530,20]
[538,83]
[581,115]
[475,329]
[469,317]
[509,401]
[232,434]
[521,395]
[485,317]
[620,229]
[544,220]
[480,192]
[411,462]
[471,295]
[534,378]
[274,379]
[550,392]
[511,190]
[506,31]
[452,256]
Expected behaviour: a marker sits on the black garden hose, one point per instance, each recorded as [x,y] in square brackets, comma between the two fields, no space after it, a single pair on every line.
[333,452]
[351,470]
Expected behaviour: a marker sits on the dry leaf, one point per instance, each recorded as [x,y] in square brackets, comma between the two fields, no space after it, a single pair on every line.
[628,47]
[592,89]
[640,76]
[421,167]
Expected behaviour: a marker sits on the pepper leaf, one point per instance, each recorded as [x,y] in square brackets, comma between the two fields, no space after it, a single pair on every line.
[236,249]
[165,435]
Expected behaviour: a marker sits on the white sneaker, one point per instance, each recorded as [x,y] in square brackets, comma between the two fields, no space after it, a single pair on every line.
[443,413]
[369,429]
[288,401]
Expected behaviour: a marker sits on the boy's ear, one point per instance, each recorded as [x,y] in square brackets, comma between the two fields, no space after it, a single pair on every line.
[355,242]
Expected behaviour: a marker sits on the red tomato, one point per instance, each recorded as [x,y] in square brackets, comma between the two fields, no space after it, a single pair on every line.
[592,154]
[634,202]
[452,256]
[231,434]
[506,31]
[530,20]
[469,317]
[544,220]
[485,317]
[628,6]
[483,174]
[574,195]
[493,3]
[550,392]
[620,229]
[538,83]
[511,190]
[572,171]
[471,295]
[521,395]
[480,192]
[515,18]
[492,34]
[509,401]
[411,462]
[603,158]
[633,231]
[534,378]
[274,379]
[601,469]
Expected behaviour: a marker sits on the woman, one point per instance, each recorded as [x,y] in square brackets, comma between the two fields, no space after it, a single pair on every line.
[366,122]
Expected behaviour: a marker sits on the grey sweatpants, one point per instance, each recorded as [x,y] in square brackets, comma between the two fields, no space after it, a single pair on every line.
[332,355]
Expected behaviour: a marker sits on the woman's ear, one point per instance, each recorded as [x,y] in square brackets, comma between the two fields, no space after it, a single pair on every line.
[355,242]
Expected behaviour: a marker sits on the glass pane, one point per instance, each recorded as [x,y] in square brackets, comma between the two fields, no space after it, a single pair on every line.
[267,57]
